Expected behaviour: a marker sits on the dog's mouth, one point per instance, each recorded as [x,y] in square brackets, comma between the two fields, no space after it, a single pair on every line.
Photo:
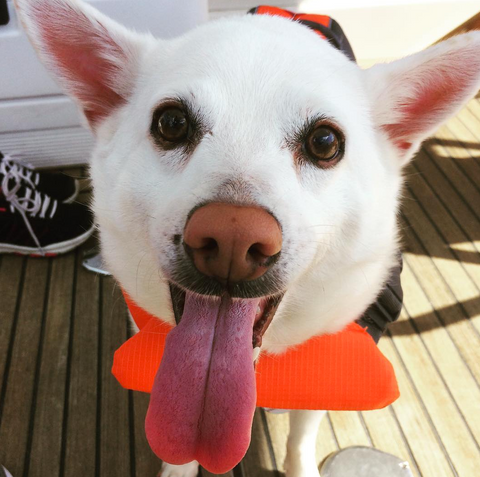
[204,395]
[266,308]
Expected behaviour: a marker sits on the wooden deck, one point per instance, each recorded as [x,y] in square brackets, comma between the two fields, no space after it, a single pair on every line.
[63,414]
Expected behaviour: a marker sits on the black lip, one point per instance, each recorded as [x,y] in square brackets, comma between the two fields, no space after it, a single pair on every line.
[178,301]
[185,275]
[264,322]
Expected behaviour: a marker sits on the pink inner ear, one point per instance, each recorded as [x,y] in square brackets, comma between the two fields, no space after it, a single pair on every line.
[429,107]
[432,91]
[79,50]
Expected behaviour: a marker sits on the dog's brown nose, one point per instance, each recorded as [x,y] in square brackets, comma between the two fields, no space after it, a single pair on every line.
[231,242]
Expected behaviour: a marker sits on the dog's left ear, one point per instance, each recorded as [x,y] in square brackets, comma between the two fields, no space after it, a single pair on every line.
[94,59]
[413,96]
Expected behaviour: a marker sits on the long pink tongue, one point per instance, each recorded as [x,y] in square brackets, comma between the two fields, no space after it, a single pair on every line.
[203,398]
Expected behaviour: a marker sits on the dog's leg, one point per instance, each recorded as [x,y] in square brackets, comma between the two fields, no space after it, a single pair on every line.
[185,470]
[301,460]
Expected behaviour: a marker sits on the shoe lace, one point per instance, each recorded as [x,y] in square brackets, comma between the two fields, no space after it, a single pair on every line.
[32,203]
[14,165]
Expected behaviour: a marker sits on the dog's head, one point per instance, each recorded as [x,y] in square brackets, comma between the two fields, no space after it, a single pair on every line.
[247,166]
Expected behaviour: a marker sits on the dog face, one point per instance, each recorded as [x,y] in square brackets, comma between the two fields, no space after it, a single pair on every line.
[252,114]
[250,151]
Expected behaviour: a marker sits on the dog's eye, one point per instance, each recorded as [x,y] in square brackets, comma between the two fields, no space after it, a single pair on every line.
[171,124]
[324,145]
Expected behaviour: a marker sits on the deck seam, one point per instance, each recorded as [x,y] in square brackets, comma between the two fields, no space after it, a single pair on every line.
[63,450]
[412,459]
[11,340]
[38,365]
[268,437]
[332,428]
[98,419]
[365,428]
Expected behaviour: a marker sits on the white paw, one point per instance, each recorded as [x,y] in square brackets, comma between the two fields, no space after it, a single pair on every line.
[185,470]
[298,467]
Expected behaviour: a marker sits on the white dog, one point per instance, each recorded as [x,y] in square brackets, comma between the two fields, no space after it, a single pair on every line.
[246,159]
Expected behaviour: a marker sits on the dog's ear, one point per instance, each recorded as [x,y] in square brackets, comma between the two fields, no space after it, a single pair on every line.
[94,59]
[413,96]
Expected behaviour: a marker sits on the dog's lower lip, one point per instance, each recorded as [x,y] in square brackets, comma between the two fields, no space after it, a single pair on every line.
[268,306]
[262,322]
[178,301]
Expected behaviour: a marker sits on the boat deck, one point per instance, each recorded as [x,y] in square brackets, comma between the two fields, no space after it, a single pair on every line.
[63,414]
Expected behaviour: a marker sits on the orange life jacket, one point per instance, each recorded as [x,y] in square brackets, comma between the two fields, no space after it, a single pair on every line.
[344,371]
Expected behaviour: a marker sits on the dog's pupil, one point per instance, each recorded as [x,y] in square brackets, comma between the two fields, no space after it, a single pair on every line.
[173,124]
[323,143]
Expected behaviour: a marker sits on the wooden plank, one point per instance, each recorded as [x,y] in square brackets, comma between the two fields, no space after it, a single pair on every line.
[11,282]
[146,462]
[428,453]
[470,117]
[393,441]
[349,429]
[449,225]
[462,183]
[80,438]
[259,460]
[45,454]
[471,24]
[278,425]
[446,356]
[446,309]
[454,141]
[451,199]
[451,427]
[474,107]
[460,285]
[114,422]
[15,425]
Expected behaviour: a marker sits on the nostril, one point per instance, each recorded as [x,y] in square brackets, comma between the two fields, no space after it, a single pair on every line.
[264,249]
[206,247]
[209,244]
[255,253]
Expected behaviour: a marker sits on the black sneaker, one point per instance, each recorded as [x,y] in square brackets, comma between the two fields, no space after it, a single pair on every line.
[33,223]
[58,186]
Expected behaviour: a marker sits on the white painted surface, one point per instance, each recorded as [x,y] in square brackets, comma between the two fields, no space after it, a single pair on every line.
[32,107]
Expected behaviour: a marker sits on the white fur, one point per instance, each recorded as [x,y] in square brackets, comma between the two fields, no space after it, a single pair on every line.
[256,79]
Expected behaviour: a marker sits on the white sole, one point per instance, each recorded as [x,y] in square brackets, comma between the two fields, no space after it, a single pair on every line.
[74,195]
[54,249]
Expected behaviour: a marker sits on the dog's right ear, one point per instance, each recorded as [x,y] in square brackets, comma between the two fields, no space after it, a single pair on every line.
[94,59]
[413,96]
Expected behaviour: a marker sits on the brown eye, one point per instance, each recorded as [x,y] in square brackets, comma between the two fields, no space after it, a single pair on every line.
[323,144]
[171,124]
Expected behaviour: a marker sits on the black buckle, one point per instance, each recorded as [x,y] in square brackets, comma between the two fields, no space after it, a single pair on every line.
[4,16]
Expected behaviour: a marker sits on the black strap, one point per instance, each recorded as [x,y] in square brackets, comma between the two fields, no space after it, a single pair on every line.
[334,34]
[4,16]
[388,306]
